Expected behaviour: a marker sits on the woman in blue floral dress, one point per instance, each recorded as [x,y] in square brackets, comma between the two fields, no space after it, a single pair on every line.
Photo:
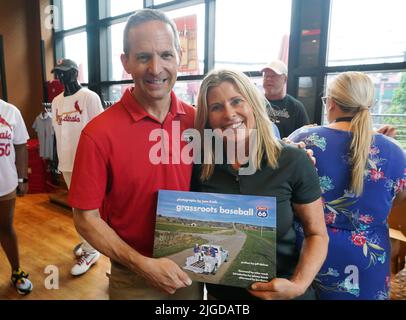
[361,175]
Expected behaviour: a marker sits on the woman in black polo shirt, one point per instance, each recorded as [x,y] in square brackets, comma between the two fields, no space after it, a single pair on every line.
[228,101]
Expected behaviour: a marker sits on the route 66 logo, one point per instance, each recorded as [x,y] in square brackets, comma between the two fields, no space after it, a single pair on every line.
[262,212]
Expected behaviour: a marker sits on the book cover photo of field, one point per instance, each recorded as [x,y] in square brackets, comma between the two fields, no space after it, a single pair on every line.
[217,238]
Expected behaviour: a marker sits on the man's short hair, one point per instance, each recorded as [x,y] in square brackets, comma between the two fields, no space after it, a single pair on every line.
[145,15]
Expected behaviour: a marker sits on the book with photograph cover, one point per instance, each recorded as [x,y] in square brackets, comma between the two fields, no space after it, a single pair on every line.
[225,239]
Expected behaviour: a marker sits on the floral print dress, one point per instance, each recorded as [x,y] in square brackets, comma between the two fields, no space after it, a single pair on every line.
[358,261]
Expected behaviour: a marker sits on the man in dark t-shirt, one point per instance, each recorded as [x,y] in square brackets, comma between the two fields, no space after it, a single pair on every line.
[289,113]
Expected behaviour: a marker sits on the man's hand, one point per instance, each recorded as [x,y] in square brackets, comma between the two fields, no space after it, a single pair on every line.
[22,189]
[302,145]
[164,274]
[387,130]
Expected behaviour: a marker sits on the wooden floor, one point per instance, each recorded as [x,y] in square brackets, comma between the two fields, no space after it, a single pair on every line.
[46,236]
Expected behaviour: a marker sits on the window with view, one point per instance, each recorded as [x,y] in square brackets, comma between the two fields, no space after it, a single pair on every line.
[158,2]
[371,32]
[117,7]
[76,50]
[247,41]
[187,90]
[116,70]
[73,13]
[390,102]
[190,24]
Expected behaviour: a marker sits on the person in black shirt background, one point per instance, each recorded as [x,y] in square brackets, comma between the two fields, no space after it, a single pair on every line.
[290,113]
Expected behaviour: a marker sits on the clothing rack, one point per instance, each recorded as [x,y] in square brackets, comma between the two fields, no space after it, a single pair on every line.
[107,104]
[47,106]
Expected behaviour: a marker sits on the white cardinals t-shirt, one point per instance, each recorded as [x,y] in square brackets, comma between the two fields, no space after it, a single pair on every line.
[69,116]
[12,132]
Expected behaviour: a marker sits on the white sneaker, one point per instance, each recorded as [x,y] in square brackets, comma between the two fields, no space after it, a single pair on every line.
[86,260]
[77,250]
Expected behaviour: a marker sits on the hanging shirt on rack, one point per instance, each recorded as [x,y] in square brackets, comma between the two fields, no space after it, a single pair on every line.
[45,132]
[69,116]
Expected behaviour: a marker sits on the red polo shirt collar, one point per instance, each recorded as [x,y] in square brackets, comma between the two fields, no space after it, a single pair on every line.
[137,112]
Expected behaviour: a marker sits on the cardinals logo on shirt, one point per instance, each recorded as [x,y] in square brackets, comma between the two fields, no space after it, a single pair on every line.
[3,122]
[5,134]
[70,116]
[77,108]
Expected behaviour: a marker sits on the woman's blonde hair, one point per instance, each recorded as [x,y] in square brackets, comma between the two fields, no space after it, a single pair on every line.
[354,93]
[266,142]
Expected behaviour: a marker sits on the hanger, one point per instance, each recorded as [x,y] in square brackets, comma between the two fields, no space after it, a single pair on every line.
[47,108]
[108,104]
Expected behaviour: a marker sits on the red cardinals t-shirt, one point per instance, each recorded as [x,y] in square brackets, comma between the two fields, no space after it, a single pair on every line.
[118,166]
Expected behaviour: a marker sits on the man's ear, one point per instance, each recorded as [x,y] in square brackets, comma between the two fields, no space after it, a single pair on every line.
[124,61]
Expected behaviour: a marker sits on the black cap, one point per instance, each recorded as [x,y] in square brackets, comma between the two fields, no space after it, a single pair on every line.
[65,65]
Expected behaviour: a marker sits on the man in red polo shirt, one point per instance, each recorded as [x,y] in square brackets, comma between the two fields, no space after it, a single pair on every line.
[115,183]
